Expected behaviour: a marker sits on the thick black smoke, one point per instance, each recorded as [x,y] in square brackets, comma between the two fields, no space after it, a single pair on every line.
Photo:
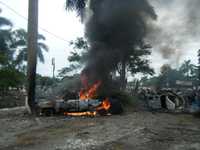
[113,28]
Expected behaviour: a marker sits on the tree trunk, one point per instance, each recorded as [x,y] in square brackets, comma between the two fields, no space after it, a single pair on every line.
[123,75]
[32,52]
[198,74]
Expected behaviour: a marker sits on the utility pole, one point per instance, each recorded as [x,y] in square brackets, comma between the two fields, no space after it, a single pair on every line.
[32,51]
[53,65]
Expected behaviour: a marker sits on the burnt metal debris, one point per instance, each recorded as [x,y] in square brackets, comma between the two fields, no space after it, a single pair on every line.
[171,101]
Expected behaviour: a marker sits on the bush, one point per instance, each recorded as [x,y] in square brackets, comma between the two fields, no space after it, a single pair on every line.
[10,77]
[125,98]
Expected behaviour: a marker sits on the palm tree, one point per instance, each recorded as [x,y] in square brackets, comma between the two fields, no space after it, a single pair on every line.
[5,37]
[76,5]
[20,43]
[4,21]
[5,52]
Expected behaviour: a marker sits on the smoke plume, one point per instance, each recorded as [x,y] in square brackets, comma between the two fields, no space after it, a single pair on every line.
[112,28]
[192,17]
[177,24]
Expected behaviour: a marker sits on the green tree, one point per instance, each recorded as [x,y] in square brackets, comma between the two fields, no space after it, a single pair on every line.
[20,43]
[134,61]
[6,54]
[4,21]
[168,76]
[77,57]
[11,77]
[76,5]
[5,40]
[13,54]
[198,71]
[188,69]
[44,82]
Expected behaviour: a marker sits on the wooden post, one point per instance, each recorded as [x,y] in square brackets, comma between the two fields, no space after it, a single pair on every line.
[32,51]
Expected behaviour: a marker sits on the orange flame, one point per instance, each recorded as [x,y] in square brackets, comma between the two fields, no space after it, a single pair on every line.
[91,92]
[87,113]
[105,105]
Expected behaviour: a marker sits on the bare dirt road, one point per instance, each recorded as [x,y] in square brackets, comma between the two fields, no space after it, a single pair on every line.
[133,130]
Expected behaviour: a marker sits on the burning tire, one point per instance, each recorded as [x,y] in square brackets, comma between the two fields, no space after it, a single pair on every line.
[115,108]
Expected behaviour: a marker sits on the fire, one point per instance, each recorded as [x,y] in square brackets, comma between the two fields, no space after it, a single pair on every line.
[87,113]
[105,105]
[91,92]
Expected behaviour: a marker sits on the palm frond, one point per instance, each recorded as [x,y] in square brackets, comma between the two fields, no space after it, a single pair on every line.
[41,37]
[19,38]
[76,5]
[40,55]
[22,56]
[20,41]
[43,46]
[4,22]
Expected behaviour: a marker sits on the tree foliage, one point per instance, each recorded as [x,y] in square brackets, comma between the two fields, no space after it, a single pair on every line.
[76,5]
[77,57]
[19,37]
[198,71]
[169,76]
[11,77]
[5,40]
[44,81]
[136,61]
[188,69]
[13,54]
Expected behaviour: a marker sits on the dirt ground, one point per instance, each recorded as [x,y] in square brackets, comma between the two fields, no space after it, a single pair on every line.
[131,131]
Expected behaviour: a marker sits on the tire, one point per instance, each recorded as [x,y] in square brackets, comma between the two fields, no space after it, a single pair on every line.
[116,107]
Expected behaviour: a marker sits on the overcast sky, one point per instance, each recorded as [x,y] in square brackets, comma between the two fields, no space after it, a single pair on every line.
[175,30]
[66,26]
[54,19]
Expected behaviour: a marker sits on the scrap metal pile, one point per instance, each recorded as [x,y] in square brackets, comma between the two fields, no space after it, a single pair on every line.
[170,100]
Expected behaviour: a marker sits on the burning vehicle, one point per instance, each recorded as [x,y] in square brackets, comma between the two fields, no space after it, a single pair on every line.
[88,104]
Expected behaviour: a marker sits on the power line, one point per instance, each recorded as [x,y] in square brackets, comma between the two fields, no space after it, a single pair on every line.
[43,29]
[13,10]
